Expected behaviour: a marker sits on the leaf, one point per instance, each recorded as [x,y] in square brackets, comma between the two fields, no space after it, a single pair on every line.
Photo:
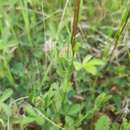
[74,109]
[91,69]
[91,66]
[69,123]
[2,122]
[77,65]
[30,111]
[96,62]
[103,123]
[101,100]
[58,100]
[115,126]
[87,58]
[27,120]
[7,93]
[39,120]
[18,69]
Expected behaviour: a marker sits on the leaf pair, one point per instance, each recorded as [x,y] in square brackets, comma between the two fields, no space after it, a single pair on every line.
[89,64]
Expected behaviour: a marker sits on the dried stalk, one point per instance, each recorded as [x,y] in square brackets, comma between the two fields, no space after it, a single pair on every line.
[75,24]
[74,32]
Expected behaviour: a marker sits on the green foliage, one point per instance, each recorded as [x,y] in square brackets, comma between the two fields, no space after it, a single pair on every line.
[5,110]
[103,123]
[7,93]
[125,125]
[89,64]
[44,86]
[100,101]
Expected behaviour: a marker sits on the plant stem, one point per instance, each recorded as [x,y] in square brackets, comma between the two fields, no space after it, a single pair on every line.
[74,32]
[75,24]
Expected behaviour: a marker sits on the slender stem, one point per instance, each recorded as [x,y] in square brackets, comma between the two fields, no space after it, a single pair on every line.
[75,24]
[74,32]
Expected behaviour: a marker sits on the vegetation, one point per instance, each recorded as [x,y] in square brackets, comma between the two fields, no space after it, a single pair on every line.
[64,65]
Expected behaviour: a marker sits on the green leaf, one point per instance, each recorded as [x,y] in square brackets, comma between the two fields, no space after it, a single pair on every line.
[7,93]
[101,100]
[103,123]
[96,62]
[91,69]
[91,65]
[18,69]
[2,122]
[39,120]
[74,109]
[77,65]
[87,58]
[27,120]
[69,123]
[115,126]
[30,111]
